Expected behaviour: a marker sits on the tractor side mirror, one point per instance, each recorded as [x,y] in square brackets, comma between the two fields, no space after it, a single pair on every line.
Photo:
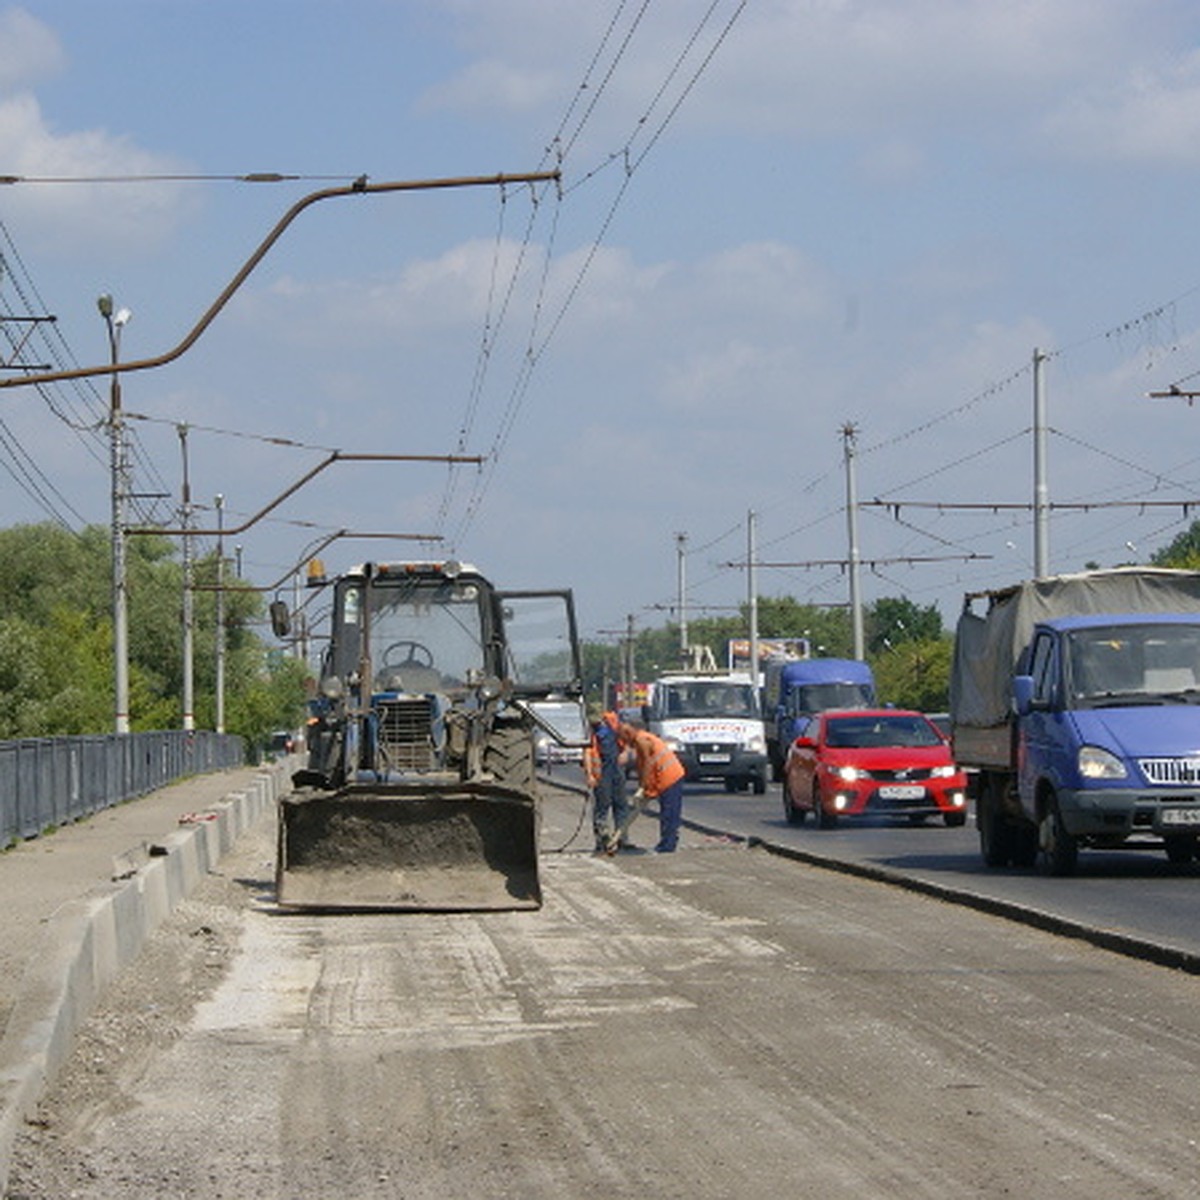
[281,618]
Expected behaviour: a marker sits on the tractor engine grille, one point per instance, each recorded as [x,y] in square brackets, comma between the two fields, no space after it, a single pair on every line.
[406,734]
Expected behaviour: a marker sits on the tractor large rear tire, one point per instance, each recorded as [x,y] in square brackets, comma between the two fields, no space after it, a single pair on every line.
[508,757]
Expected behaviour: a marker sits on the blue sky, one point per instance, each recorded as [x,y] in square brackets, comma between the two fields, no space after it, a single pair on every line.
[774,219]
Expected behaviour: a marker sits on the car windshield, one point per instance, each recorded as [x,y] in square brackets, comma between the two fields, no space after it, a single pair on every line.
[1150,659]
[864,732]
[709,698]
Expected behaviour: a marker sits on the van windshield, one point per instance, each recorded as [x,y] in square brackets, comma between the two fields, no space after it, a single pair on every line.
[708,698]
[816,697]
[1151,660]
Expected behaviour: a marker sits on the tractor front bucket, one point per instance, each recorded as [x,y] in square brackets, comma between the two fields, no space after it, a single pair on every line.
[461,847]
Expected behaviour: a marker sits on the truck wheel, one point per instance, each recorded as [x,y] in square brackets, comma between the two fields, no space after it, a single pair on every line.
[759,783]
[1180,849]
[1024,841]
[1059,848]
[508,756]
[995,834]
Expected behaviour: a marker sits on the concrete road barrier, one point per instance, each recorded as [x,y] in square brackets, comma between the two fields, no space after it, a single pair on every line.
[89,941]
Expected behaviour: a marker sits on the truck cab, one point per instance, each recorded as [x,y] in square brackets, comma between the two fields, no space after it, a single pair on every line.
[713,722]
[1107,733]
[799,689]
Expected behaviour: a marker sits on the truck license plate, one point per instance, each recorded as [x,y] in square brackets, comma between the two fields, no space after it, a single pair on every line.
[901,791]
[714,758]
[1179,816]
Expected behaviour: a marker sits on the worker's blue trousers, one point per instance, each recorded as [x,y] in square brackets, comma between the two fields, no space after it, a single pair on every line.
[670,814]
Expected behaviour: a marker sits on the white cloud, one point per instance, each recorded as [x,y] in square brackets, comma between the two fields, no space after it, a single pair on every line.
[1146,117]
[67,218]
[29,51]
[491,84]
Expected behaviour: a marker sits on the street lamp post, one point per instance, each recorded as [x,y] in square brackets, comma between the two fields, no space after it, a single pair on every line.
[220,697]
[115,322]
[189,689]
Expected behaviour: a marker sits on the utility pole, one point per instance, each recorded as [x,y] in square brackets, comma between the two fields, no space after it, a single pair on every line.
[752,588]
[115,322]
[220,714]
[849,433]
[1041,487]
[630,671]
[681,571]
[189,701]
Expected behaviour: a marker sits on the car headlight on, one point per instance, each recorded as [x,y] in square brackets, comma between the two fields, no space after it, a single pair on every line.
[757,745]
[847,774]
[1098,763]
[944,772]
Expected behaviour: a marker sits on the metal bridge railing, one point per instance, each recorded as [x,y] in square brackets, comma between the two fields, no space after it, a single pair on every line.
[46,782]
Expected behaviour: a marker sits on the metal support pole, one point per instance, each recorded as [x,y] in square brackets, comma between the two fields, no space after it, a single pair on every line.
[115,322]
[189,696]
[628,667]
[681,571]
[297,637]
[220,715]
[752,589]
[849,433]
[1041,486]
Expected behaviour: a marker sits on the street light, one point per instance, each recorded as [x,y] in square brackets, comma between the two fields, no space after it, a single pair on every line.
[220,688]
[115,322]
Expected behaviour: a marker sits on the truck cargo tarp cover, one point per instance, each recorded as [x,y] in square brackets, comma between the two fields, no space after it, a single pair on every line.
[987,645]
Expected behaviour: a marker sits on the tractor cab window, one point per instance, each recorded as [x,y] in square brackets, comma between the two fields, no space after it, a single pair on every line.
[425,635]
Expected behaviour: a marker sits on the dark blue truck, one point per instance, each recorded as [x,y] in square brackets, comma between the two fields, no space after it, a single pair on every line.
[1076,699]
[798,688]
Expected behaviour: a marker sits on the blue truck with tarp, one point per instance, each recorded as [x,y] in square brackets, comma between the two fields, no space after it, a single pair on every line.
[1076,701]
[797,689]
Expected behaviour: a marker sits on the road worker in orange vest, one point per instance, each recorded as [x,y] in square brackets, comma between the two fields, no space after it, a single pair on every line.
[660,776]
[606,779]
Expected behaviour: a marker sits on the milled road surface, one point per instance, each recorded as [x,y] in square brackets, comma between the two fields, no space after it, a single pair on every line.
[714,1023]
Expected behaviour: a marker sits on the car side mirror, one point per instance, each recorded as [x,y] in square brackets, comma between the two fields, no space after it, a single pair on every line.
[1022,690]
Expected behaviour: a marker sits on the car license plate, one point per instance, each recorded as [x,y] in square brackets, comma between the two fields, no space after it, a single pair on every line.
[902,791]
[714,758]
[1179,816]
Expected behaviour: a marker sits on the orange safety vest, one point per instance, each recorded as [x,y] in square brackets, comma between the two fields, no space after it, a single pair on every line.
[657,765]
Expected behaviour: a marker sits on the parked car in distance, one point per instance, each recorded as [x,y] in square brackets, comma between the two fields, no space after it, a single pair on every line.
[858,762]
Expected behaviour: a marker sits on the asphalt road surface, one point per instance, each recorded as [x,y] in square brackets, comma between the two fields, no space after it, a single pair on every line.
[719,1022]
[1134,893]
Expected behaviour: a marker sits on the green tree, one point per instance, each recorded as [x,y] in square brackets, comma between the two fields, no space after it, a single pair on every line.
[893,620]
[56,674]
[1183,552]
[915,674]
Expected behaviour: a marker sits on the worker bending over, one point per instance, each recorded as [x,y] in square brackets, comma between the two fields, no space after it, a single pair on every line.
[660,777]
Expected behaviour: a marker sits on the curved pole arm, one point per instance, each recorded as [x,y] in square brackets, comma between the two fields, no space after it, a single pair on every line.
[335,456]
[359,188]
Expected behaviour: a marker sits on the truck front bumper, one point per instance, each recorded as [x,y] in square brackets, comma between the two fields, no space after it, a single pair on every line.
[1123,812]
[723,762]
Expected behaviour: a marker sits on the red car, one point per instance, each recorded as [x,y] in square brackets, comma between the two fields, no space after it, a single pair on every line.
[854,762]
